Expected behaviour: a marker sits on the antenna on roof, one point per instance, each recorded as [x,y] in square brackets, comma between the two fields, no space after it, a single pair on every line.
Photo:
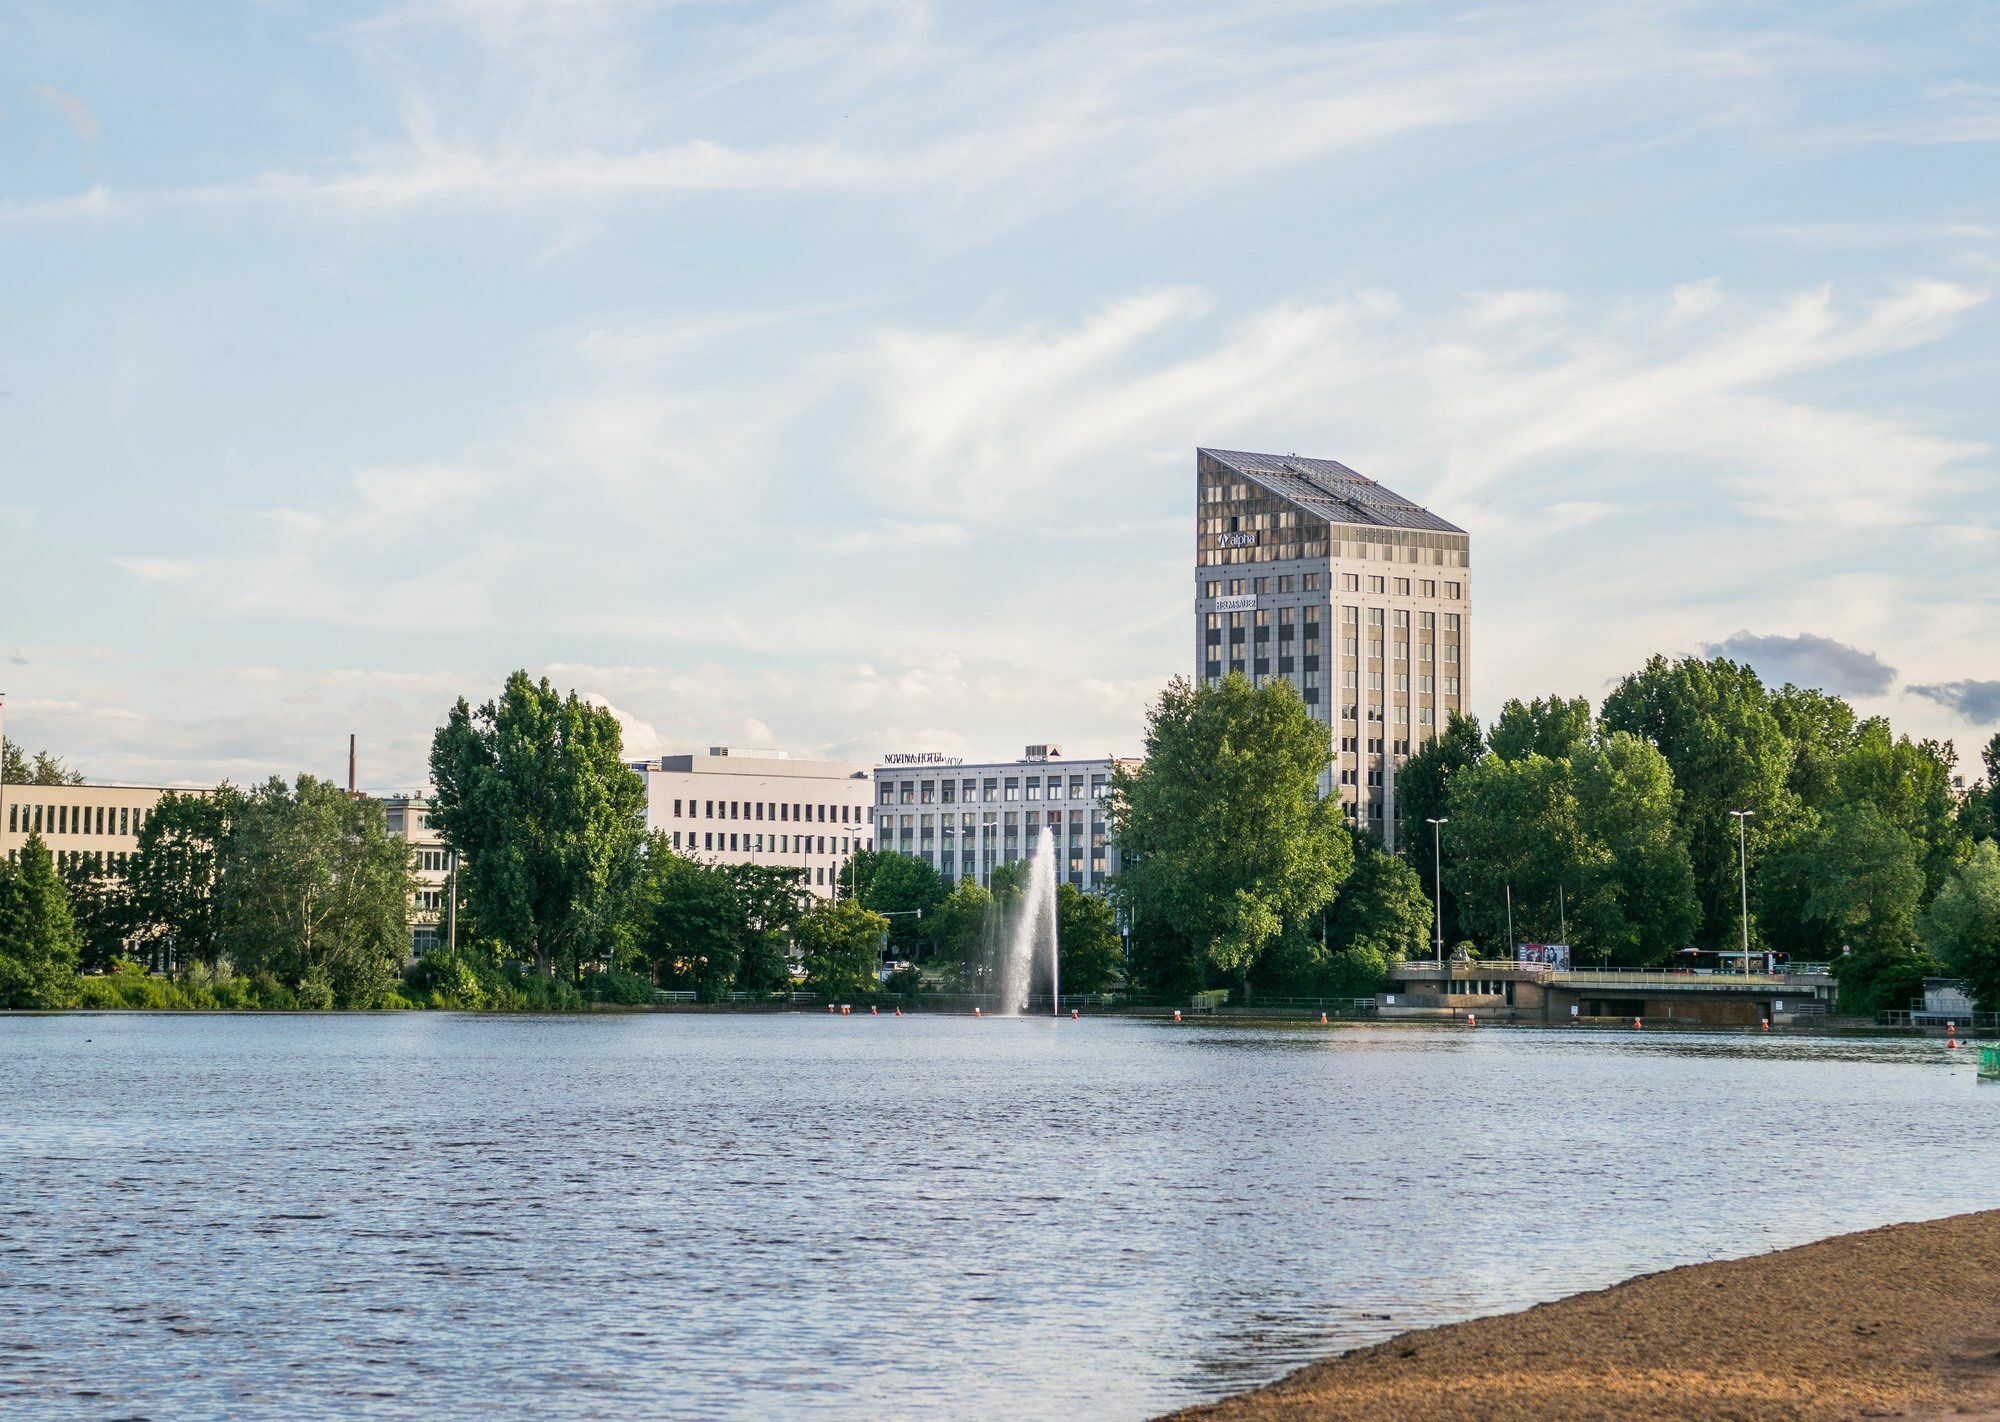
[350,765]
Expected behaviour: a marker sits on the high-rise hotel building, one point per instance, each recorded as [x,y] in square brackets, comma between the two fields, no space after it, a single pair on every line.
[1308,571]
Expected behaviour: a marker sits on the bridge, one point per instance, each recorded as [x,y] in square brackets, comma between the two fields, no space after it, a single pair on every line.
[1501,990]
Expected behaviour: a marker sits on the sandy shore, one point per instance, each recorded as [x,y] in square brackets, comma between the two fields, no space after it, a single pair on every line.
[1896,1322]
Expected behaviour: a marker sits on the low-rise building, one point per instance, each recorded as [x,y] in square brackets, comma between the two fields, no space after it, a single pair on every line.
[743,806]
[964,819]
[97,825]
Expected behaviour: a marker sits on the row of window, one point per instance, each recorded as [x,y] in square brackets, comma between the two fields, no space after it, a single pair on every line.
[992,789]
[1349,582]
[779,810]
[98,861]
[722,842]
[34,817]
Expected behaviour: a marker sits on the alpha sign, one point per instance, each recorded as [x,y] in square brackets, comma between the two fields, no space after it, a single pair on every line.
[1242,538]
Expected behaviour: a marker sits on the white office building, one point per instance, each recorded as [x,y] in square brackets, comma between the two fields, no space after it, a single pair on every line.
[737,806]
[964,818]
[1308,572]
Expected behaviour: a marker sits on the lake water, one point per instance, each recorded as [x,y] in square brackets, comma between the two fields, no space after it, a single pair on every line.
[430,1215]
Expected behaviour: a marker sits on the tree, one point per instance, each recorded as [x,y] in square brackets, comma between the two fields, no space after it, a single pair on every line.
[957,931]
[98,903]
[1979,811]
[900,887]
[692,927]
[1513,837]
[40,769]
[1821,729]
[1223,830]
[1553,728]
[1714,723]
[312,889]
[1961,927]
[39,943]
[1423,793]
[1633,902]
[1909,783]
[840,948]
[1381,909]
[1846,888]
[170,879]
[1089,952]
[533,793]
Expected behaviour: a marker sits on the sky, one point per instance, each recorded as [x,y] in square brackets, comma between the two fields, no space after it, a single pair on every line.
[828,376]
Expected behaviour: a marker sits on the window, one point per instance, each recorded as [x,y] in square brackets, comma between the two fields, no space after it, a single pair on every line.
[1351,582]
[1350,614]
[1454,590]
[1427,587]
[1375,584]
[1212,589]
[1312,582]
[1402,587]
[1261,585]
[1286,582]
[1451,622]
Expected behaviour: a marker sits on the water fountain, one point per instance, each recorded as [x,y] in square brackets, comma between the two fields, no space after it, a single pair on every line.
[1028,932]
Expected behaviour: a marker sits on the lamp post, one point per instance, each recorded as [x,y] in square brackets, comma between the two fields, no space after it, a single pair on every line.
[1437,868]
[1742,818]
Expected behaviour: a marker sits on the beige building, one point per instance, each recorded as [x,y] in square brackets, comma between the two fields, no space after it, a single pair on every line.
[409,819]
[95,823]
[1308,572]
[738,806]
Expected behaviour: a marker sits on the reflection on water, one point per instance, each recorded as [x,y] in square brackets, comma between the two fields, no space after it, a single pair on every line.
[751,1216]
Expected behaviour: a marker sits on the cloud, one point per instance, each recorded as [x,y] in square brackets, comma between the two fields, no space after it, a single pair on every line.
[1977,701]
[74,111]
[1808,660]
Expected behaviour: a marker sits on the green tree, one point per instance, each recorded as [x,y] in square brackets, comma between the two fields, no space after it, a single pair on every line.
[1224,833]
[1513,836]
[1382,909]
[1089,952]
[1423,793]
[1714,723]
[900,887]
[840,948]
[1821,729]
[696,923]
[1961,928]
[41,768]
[1552,728]
[102,911]
[39,944]
[1633,902]
[958,932]
[1979,811]
[1846,887]
[1909,783]
[312,889]
[549,823]
[170,879]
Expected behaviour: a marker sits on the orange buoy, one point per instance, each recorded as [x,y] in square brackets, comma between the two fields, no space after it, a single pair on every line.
[1951,1042]
[1767,1024]
[1322,1019]
[872,1012]
[1072,1014]
[976,1012]
[1638,1022]
[899,1012]
[1471,1020]
[830,1009]
[1177,1014]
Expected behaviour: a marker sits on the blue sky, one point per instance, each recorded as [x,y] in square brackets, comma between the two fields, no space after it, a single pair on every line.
[829,375]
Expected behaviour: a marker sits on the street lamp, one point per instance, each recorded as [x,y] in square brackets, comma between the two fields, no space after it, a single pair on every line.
[1742,818]
[1437,866]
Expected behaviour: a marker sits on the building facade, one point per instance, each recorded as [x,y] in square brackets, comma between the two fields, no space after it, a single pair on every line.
[1308,572]
[96,825]
[964,819]
[736,806]
[408,818]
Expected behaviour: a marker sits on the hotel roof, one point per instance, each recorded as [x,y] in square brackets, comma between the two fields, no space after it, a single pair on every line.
[1329,489]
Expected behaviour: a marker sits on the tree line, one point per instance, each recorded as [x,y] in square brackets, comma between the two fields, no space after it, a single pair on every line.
[1618,829]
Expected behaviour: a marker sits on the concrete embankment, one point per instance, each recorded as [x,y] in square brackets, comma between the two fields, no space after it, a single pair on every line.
[1896,1322]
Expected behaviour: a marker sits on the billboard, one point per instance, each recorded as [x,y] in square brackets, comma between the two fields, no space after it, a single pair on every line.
[1547,955]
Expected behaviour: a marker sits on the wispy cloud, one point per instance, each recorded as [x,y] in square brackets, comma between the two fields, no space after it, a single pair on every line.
[1975,701]
[73,110]
[1809,660]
